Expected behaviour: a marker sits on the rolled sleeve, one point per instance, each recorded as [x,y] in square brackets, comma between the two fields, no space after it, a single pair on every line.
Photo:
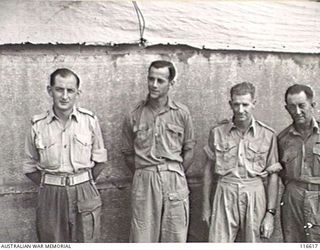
[31,161]
[273,165]
[189,141]
[99,152]
[209,148]
[127,137]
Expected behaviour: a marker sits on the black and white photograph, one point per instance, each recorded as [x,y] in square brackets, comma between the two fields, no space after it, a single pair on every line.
[183,121]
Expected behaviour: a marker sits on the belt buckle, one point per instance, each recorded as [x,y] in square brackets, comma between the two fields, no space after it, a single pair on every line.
[67,181]
[162,167]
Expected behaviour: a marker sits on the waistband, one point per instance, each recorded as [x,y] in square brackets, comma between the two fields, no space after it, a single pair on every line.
[66,180]
[306,186]
[233,180]
[165,166]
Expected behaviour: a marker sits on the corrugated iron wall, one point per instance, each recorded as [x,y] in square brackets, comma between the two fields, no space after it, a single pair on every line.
[113,80]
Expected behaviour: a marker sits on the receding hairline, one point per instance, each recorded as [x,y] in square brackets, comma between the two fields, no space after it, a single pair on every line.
[63,73]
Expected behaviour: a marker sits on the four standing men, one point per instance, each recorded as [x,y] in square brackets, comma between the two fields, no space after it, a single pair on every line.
[241,152]
[64,150]
[158,145]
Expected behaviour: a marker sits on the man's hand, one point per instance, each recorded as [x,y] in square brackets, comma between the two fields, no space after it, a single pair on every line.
[206,213]
[267,226]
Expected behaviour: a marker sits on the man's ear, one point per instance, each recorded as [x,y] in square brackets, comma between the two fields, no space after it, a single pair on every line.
[254,102]
[49,90]
[172,82]
[313,104]
[286,107]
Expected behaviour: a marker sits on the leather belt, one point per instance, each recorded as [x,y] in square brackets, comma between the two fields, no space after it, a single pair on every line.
[166,166]
[66,180]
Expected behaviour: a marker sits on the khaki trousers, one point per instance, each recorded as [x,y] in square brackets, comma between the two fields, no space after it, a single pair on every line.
[300,213]
[160,205]
[68,214]
[238,208]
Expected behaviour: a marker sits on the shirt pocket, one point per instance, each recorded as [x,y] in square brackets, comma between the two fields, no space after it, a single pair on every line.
[49,152]
[174,136]
[289,160]
[81,149]
[316,159]
[226,155]
[257,152]
[142,135]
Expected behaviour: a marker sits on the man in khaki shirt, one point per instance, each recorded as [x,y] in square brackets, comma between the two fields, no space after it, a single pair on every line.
[241,152]
[64,151]
[158,143]
[299,153]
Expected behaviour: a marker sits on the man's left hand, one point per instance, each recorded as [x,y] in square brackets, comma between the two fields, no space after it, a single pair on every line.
[267,226]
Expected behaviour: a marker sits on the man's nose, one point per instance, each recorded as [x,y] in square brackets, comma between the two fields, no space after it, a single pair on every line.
[298,111]
[65,94]
[240,108]
[154,83]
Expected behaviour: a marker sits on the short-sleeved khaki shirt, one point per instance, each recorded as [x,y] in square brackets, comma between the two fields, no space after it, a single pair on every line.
[64,149]
[300,157]
[245,155]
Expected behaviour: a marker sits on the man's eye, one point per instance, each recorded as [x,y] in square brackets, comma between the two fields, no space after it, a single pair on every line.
[59,89]
[71,91]
[291,107]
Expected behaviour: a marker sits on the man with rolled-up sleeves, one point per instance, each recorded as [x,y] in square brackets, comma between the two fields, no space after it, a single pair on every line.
[241,153]
[64,155]
[299,152]
[158,143]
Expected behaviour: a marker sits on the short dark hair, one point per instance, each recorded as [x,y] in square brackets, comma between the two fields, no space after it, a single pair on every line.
[243,88]
[164,64]
[64,72]
[298,88]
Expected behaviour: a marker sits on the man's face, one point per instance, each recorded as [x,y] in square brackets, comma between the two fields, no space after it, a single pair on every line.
[300,108]
[64,92]
[242,107]
[158,82]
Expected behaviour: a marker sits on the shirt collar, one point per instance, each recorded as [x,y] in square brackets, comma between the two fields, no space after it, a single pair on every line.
[74,115]
[252,126]
[314,125]
[170,103]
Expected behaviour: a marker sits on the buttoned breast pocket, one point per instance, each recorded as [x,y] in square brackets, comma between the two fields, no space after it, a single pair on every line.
[49,152]
[257,152]
[174,136]
[226,155]
[142,135]
[290,160]
[82,146]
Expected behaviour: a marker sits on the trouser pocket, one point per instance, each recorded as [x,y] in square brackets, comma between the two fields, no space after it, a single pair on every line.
[89,216]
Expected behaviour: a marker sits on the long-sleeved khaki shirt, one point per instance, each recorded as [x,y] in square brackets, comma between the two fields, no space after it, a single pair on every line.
[154,138]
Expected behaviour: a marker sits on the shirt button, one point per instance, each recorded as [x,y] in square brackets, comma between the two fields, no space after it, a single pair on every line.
[156,134]
[65,146]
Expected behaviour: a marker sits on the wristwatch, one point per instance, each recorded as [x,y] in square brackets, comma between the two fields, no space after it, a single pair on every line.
[272,211]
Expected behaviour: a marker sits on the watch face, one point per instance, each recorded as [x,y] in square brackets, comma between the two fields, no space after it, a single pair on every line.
[272,211]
